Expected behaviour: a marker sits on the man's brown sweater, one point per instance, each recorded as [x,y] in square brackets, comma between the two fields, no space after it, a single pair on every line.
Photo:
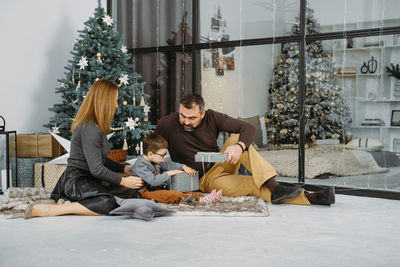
[184,145]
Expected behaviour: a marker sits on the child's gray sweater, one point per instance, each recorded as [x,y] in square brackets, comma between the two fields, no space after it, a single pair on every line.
[154,174]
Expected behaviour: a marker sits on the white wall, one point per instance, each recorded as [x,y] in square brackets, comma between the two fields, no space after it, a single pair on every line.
[36,40]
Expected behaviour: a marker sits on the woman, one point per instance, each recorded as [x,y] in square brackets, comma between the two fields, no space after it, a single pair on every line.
[91,181]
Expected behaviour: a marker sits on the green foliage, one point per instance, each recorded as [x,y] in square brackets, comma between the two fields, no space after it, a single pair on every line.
[394,71]
[326,113]
[106,57]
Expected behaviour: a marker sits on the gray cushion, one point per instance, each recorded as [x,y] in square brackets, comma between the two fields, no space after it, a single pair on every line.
[260,138]
[366,144]
[386,159]
[139,208]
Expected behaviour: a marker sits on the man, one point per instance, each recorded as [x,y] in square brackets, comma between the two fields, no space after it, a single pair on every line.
[194,129]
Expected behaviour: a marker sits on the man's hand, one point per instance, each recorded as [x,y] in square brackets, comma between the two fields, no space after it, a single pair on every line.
[188,170]
[127,169]
[132,182]
[173,172]
[234,152]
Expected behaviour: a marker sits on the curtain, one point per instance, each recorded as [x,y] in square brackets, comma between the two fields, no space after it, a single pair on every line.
[154,23]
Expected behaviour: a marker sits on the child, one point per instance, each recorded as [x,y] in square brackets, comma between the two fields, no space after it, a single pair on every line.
[155,169]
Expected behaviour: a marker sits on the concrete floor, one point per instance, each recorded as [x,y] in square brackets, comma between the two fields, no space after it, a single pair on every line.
[356,231]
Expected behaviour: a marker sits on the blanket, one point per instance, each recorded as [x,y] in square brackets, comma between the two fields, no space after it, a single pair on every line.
[320,162]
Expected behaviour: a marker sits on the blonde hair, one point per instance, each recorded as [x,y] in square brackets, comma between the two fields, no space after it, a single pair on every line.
[98,105]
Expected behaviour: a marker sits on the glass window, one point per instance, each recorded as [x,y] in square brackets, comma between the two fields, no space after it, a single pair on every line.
[342,15]
[364,153]
[224,20]
[352,94]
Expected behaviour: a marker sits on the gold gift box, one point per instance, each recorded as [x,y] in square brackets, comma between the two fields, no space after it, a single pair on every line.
[38,146]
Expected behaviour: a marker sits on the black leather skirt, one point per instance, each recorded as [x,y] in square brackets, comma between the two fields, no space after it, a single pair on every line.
[77,185]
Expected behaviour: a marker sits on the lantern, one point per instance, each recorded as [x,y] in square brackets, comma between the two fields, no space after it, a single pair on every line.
[8,156]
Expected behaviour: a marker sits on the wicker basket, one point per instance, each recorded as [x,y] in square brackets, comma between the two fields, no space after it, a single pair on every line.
[118,155]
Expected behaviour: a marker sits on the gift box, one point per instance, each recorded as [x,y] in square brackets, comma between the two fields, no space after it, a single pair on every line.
[210,157]
[38,146]
[48,174]
[25,171]
[183,182]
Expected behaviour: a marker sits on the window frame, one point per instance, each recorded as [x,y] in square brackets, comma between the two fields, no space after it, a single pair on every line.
[302,38]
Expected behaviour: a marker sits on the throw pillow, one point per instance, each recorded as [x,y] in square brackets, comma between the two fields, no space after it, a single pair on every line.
[139,208]
[366,144]
[261,131]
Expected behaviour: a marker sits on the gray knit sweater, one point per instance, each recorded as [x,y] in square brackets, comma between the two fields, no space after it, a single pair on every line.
[89,150]
[154,174]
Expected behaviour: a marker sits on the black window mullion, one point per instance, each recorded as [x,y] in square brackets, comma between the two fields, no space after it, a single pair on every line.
[195,52]
[302,90]
[272,40]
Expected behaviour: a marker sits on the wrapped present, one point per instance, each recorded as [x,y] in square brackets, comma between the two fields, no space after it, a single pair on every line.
[25,171]
[183,182]
[38,146]
[48,174]
[210,157]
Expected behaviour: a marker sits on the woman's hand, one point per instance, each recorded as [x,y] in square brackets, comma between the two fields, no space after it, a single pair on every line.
[173,172]
[188,170]
[127,169]
[132,182]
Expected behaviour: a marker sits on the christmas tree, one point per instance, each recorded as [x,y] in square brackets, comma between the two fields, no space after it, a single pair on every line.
[99,53]
[327,114]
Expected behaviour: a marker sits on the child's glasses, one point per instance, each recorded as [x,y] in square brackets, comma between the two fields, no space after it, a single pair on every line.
[161,155]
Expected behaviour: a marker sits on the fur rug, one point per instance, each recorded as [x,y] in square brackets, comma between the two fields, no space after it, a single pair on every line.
[246,206]
[16,200]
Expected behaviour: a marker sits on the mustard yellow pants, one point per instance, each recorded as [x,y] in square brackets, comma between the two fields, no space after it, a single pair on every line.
[224,176]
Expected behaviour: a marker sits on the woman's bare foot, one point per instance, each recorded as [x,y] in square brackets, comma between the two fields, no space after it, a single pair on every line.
[42,210]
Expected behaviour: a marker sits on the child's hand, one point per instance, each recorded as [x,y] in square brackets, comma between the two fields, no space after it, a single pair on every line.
[173,172]
[188,170]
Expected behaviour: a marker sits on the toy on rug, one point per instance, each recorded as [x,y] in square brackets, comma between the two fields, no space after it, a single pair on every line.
[191,201]
[213,197]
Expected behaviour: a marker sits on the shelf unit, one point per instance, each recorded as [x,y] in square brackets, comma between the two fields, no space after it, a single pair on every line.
[368,95]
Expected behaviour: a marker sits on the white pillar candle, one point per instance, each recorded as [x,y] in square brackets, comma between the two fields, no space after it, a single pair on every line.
[141,148]
[4,180]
